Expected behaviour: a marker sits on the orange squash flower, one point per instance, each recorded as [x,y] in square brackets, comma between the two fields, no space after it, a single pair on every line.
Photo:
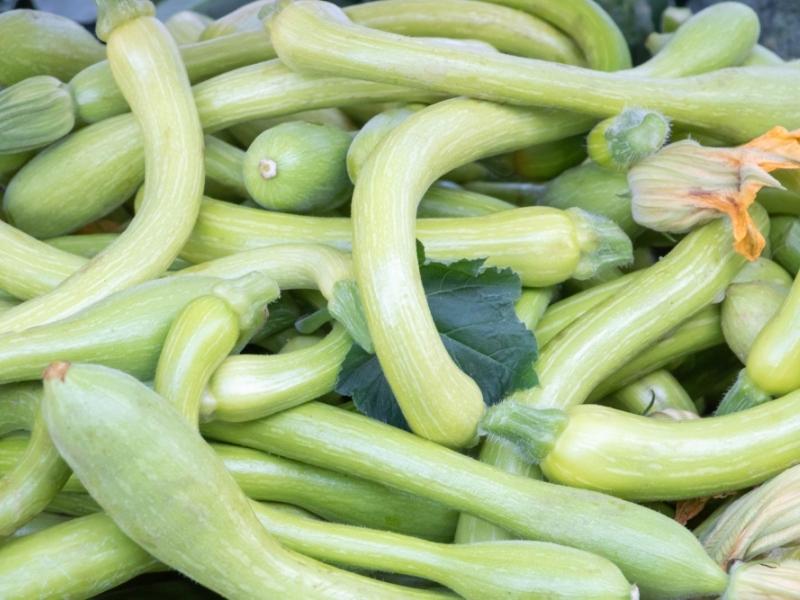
[686,184]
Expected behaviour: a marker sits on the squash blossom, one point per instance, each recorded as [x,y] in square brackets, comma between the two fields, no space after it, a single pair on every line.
[686,184]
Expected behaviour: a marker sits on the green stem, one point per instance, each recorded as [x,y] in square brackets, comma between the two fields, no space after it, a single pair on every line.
[635,538]
[316,37]
[529,308]
[742,395]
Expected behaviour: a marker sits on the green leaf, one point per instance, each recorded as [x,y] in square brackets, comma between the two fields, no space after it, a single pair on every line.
[473,308]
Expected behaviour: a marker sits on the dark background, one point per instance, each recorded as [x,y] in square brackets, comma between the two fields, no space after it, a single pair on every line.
[780,18]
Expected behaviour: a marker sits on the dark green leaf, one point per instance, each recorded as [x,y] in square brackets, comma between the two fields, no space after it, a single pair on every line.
[473,308]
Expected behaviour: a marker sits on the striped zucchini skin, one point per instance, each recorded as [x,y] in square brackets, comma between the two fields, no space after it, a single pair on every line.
[148,68]
[654,552]
[176,499]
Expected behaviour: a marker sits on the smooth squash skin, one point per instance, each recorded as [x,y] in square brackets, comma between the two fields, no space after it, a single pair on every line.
[147,67]
[511,31]
[654,552]
[298,167]
[774,360]
[176,500]
[103,164]
[41,43]
[205,333]
[650,459]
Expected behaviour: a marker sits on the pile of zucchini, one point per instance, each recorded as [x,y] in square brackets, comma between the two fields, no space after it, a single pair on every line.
[413,299]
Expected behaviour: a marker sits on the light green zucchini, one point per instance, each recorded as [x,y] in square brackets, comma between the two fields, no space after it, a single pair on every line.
[775,355]
[598,190]
[41,43]
[298,167]
[188,512]
[653,393]
[664,459]
[126,330]
[544,246]
[653,552]
[33,113]
[149,71]
[251,386]
[316,37]
[103,163]
[508,30]
[205,332]
[333,496]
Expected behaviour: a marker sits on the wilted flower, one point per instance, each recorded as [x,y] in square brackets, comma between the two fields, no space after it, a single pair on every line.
[686,184]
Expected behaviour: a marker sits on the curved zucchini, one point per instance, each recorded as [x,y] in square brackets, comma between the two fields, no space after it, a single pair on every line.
[508,30]
[125,330]
[185,509]
[333,496]
[252,386]
[34,481]
[438,400]
[774,360]
[543,245]
[148,69]
[664,459]
[654,552]
[205,332]
[42,43]
[316,37]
